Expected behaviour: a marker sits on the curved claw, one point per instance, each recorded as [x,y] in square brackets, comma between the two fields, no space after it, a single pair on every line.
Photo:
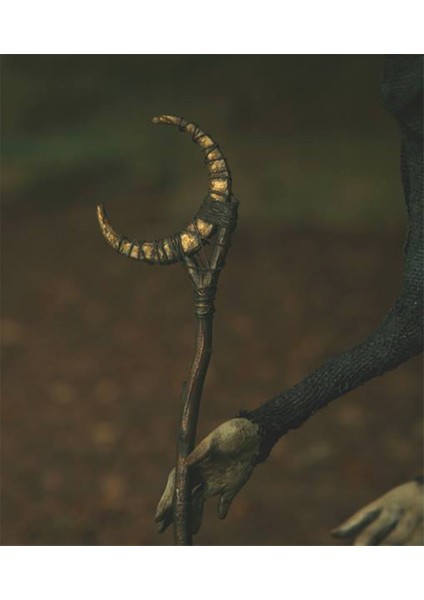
[173,249]
[162,252]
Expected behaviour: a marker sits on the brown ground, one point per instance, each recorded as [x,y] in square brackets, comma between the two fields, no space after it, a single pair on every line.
[95,348]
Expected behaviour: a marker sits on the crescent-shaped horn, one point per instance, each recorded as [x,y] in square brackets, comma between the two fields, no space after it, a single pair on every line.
[171,249]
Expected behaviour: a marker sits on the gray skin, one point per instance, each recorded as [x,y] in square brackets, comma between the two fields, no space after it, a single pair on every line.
[220,465]
[224,461]
[395,519]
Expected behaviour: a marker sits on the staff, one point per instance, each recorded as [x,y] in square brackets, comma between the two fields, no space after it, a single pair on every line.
[202,247]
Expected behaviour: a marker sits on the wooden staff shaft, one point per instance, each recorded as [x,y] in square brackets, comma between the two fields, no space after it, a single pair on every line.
[192,393]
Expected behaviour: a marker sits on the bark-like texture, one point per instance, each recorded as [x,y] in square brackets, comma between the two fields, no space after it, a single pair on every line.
[400,335]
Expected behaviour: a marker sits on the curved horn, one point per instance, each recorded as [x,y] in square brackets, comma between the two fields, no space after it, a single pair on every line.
[171,249]
[219,172]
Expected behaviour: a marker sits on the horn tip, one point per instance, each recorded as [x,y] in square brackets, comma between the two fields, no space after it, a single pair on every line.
[170,119]
[100,210]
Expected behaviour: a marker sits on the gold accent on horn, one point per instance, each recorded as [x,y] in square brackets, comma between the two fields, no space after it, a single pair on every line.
[190,241]
[120,243]
[190,238]
[106,228]
[215,160]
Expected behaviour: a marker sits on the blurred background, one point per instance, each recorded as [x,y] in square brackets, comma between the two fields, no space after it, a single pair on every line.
[95,347]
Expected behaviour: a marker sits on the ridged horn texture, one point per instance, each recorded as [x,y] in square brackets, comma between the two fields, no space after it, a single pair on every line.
[172,249]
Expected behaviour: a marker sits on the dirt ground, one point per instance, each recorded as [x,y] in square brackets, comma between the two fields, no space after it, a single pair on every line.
[95,348]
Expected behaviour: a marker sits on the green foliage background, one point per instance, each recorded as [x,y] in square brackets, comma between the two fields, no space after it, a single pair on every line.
[307,137]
